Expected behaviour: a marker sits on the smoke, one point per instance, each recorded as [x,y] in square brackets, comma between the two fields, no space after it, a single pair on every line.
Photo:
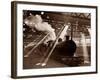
[37,23]
[64,33]
[85,50]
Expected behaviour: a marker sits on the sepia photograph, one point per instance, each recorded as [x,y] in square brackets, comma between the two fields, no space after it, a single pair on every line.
[53,39]
[56,39]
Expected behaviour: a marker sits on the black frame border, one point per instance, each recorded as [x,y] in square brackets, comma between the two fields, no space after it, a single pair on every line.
[14,38]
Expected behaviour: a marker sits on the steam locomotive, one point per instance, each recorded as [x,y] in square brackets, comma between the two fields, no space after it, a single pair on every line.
[56,48]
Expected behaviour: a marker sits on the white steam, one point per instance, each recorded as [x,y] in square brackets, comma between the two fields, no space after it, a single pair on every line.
[37,23]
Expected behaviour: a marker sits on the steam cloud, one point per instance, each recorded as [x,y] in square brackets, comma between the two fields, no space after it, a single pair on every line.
[37,23]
